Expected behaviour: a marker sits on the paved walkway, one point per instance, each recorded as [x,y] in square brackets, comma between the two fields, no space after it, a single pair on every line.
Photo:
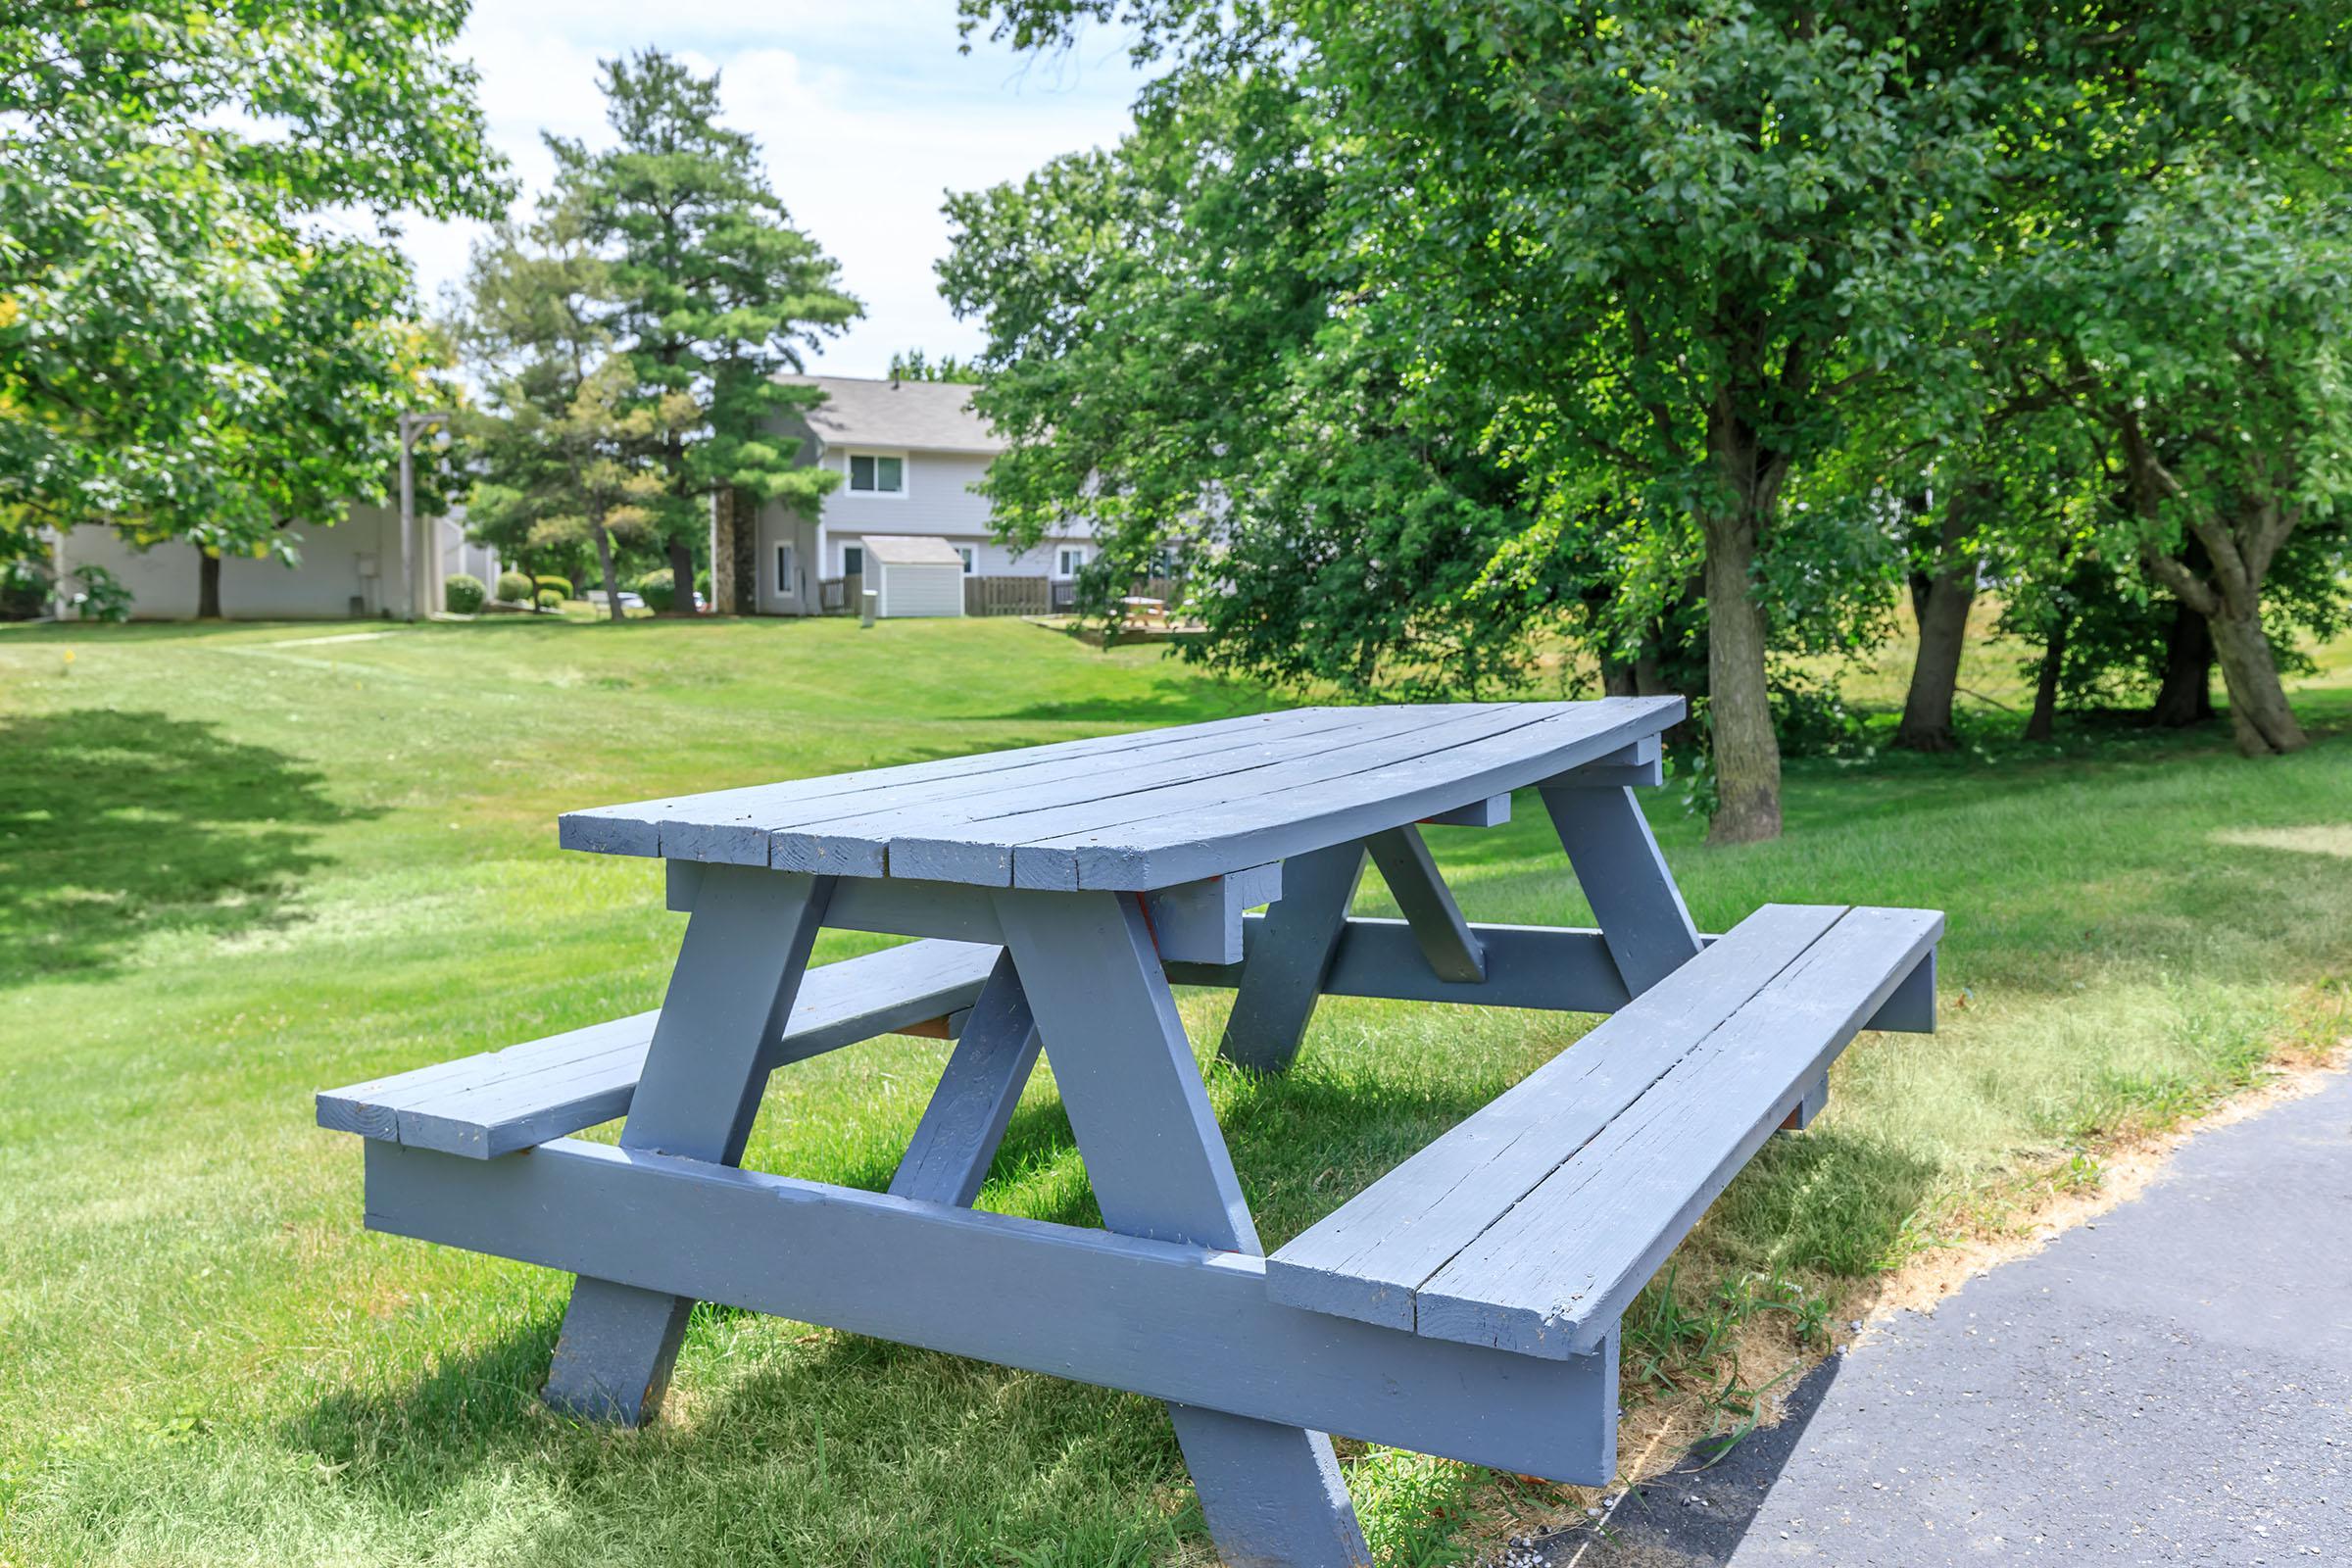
[2171,1385]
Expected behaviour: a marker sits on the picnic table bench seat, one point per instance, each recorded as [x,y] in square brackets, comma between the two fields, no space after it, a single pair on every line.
[1530,1225]
[502,1101]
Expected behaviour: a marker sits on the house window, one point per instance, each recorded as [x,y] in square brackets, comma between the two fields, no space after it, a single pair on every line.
[971,558]
[877,476]
[786,585]
[853,560]
[1069,560]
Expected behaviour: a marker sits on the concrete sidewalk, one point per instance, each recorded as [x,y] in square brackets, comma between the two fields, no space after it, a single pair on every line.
[2170,1385]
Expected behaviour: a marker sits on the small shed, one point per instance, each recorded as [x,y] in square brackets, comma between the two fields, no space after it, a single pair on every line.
[915,575]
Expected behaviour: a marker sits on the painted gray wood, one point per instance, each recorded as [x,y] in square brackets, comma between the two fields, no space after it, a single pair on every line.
[1809,1104]
[1166,1320]
[933,833]
[953,1147]
[1635,766]
[1625,881]
[1288,956]
[992,848]
[636,828]
[1912,1008]
[496,1103]
[1141,816]
[1445,938]
[1194,839]
[1201,922]
[1552,1276]
[1160,1169]
[1369,1259]
[1493,812]
[730,996]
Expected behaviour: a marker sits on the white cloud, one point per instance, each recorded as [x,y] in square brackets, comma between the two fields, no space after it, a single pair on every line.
[866,115]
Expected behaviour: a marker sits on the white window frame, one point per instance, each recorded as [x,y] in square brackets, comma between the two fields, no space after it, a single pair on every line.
[787,560]
[905,475]
[972,558]
[1064,566]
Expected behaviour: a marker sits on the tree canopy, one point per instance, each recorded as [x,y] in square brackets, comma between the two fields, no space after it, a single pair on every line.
[203,335]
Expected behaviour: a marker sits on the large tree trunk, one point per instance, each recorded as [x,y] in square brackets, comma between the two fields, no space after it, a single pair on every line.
[1747,755]
[2042,723]
[1943,610]
[604,561]
[681,578]
[2185,695]
[208,585]
[2259,714]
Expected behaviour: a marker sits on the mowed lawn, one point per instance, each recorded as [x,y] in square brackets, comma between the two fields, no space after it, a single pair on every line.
[241,863]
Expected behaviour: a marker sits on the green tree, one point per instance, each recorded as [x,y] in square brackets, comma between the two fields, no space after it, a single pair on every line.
[193,342]
[561,459]
[916,366]
[710,293]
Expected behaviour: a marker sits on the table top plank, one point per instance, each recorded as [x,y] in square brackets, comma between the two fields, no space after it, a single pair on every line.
[984,850]
[716,824]
[862,839]
[1183,845]
[1138,810]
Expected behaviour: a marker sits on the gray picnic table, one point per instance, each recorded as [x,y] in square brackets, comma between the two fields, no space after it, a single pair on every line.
[1466,1305]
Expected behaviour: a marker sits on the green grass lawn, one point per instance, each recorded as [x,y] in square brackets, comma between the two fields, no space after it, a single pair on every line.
[241,863]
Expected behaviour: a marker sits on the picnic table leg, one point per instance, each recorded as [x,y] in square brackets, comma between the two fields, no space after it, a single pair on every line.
[958,1138]
[746,946]
[1273,1494]
[1290,958]
[1643,918]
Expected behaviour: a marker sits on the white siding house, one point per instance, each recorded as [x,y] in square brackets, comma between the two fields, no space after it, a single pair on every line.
[354,569]
[908,454]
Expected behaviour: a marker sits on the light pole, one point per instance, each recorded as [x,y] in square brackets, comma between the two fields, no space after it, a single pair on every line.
[411,425]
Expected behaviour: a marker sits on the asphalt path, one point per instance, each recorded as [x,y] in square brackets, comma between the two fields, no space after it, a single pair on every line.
[2170,1385]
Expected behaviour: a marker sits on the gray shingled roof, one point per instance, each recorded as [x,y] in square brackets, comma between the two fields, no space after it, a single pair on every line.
[913,416]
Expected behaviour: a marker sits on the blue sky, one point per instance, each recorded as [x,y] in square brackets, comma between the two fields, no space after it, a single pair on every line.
[867,114]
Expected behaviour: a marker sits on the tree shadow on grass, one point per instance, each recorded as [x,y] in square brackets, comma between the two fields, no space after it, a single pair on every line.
[118,826]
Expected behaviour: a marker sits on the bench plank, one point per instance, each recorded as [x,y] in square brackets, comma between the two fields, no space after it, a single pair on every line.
[502,1101]
[1552,1276]
[1368,1258]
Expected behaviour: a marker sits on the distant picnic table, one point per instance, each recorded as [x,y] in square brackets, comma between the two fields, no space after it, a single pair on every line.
[1466,1305]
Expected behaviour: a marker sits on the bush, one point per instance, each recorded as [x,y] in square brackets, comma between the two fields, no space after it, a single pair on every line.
[658,591]
[550,599]
[515,588]
[463,592]
[561,586]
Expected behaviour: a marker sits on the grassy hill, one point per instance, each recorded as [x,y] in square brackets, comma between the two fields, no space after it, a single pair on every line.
[241,863]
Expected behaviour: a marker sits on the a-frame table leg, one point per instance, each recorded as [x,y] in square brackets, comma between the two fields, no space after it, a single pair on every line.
[1273,1494]
[1643,918]
[1290,958]
[746,948]
[981,1084]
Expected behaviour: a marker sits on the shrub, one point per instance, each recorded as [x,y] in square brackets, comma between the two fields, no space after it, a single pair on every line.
[657,590]
[561,585]
[463,592]
[550,599]
[515,588]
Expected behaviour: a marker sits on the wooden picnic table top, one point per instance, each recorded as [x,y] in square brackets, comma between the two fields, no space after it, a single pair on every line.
[1135,812]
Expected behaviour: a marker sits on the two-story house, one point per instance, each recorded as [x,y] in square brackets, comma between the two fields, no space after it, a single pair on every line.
[908,454]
